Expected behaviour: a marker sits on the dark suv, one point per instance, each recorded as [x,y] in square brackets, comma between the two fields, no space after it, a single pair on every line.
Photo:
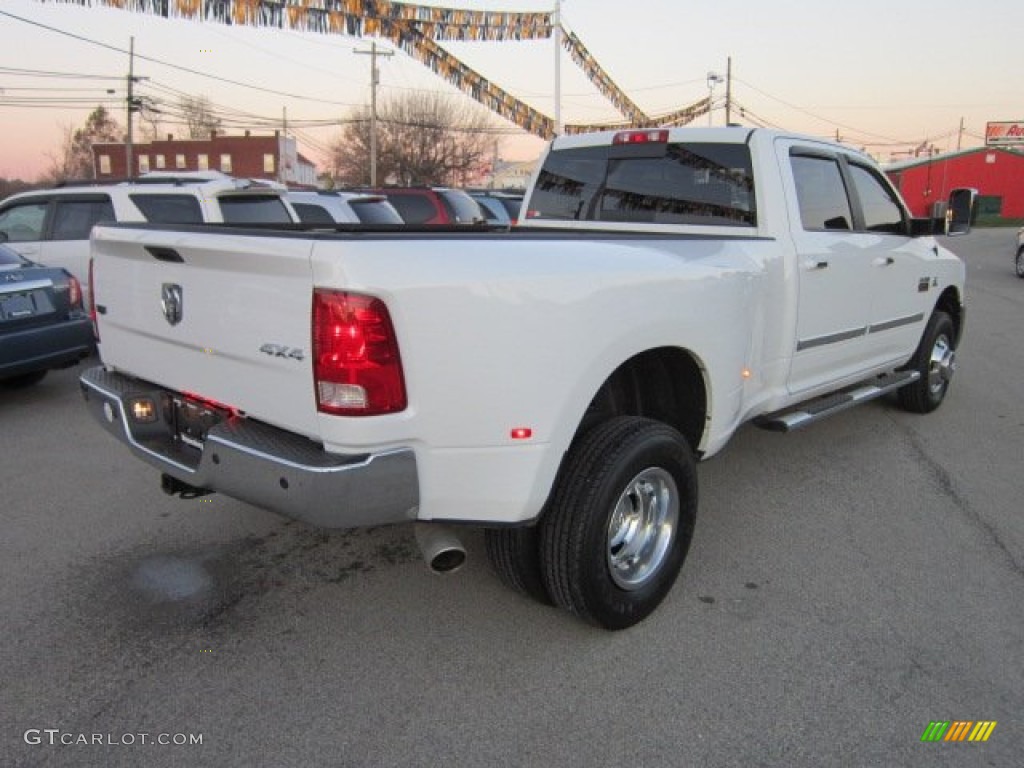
[433,205]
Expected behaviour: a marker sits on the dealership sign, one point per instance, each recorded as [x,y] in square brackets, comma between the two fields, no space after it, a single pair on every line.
[1004,134]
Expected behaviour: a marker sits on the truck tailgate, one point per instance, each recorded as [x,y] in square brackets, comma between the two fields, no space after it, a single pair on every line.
[224,318]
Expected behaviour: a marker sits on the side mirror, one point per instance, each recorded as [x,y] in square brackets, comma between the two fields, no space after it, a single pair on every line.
[960,211]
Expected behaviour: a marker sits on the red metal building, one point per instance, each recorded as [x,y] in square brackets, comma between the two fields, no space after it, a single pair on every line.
[997,174]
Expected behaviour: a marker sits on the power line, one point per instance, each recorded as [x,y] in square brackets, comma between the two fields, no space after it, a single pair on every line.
[46,73]
[174,66]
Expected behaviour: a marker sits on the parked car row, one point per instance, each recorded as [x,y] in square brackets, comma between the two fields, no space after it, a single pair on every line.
[52,226]
[416,206]
[43,323]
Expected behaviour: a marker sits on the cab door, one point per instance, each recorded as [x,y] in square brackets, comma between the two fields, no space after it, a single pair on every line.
[834,270]
[902,292]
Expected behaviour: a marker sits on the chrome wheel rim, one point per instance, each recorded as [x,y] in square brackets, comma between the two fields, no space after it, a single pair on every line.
[642,527]
[1020,263]
[941,365]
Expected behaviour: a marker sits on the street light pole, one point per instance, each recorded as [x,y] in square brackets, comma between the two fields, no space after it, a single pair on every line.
[556,33]
[713,79]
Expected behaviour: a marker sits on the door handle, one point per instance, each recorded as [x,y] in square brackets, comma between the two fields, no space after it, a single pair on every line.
[815,264]
[884,261]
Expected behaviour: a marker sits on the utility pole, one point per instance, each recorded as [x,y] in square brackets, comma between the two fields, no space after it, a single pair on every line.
[728,91]
[960,135]
[130,108]
[282,148]
[556,34]
[374,82]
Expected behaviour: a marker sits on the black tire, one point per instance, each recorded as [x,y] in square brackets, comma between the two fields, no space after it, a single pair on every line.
[24,380]
[515,556]
[935,360]
[1019,262]
[618,469]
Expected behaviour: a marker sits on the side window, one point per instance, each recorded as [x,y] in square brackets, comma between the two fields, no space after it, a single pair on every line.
[881,212]
[254,209]
[312,214]
[23,222]
[821,193]
[74,219]
[169,209]
[414,209]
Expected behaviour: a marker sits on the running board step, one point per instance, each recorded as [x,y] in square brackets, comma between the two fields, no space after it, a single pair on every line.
[821,408]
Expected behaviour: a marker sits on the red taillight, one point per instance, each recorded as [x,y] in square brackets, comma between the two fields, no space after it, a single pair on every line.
[640,137]
[356,367]
[92,302]
[74,293]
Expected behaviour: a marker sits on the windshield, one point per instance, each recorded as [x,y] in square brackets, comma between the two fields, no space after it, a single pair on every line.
[711,184]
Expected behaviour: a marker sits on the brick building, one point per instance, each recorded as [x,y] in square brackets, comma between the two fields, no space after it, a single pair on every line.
[257,157]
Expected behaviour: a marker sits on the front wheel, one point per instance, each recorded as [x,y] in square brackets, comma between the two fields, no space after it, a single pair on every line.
[1020,262]
[620,521]
[935,360]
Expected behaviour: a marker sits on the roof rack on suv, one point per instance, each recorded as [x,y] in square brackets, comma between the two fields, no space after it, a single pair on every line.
[173,179]
[105,182]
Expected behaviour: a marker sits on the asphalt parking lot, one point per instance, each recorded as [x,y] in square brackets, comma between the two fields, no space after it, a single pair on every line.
[847,585]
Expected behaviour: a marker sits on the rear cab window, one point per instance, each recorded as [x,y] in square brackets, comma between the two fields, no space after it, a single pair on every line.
[663,183]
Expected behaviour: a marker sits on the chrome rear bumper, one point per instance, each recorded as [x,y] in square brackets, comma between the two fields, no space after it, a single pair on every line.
[261,464]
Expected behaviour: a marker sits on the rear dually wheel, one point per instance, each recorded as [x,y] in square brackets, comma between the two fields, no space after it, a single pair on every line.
[620,521]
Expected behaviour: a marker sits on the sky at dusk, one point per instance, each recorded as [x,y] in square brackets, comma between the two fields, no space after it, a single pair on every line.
[887,76]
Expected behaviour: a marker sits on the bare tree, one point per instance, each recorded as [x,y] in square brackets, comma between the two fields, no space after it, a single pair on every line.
[422,138]
[200,119]
[149,120]
[73,158]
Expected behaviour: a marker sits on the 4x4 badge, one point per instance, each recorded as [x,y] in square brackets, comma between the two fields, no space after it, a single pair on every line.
[171,302]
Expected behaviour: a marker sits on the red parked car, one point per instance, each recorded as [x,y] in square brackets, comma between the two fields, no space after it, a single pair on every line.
[433,205]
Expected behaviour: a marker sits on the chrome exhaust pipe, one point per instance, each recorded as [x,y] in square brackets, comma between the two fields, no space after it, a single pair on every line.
[440,547]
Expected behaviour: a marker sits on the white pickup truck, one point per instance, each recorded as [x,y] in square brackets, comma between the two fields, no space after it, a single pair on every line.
[553,384]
